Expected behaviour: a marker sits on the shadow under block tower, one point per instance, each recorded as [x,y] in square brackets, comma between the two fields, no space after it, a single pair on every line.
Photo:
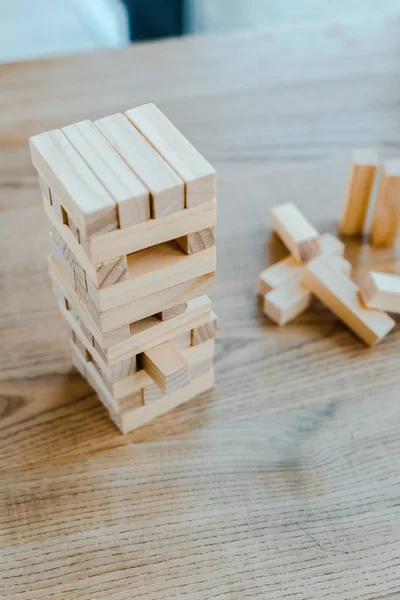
[132,206]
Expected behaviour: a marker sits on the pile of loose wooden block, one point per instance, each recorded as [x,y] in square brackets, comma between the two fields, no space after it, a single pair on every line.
[133,209]
[317,267]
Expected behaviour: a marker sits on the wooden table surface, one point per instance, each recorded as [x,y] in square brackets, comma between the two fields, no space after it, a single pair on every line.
[285,481]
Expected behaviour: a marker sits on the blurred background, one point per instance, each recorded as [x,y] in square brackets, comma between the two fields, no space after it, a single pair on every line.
[41,28]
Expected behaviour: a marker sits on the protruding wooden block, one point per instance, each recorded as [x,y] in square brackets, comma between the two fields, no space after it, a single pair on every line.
[166,366]
[296,232]
[172,312]
[111,272]
[381,291]
[292,298]
[340,294]
[363,168]
[207,331]
[386,218]
[196,242]
[199,176]
[166,187]
[131,196]
[68,176]
[289,268]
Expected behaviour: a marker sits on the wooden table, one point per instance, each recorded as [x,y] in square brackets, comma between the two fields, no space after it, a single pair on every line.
[285,481]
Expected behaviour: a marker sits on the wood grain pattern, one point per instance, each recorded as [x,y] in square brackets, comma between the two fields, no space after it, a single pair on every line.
[283,482]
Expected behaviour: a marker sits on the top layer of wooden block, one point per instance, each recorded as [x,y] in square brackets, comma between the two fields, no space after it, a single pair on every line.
[166,187]
[381,291]
[199,176]
[131,196]
[89,203]
[296,232]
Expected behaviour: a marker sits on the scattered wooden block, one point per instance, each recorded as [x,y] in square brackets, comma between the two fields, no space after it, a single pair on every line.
[131,196]
[381,291]
[172,312]
[292,298]
[166,187]
[289,268]
[386,218]
[199,176]
[198,241]
[68,176]
[207,331]
[166,366]
[340,294]
[363,168]
[296,232]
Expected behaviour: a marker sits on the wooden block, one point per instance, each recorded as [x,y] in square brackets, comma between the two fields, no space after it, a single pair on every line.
[198,241]
[292,298]
[183,340]
[166,366]
[296,232]
[78,361]
[45,190]
[81,193]
[131,196]
[60,252]
[133,419]
[111,272]
[362,174]
[152,232]
[172,312]
[340,294]
[142,380]
[381,291]
[60,213]
[386,218]
[74,229]
[166,187]
[289,268]
[199,176]
[207,331]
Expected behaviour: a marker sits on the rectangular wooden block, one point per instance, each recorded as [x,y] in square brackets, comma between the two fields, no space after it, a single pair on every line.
[340,294]
[131,196]
[296,232]
[166,366]
[381,291]
[199,176]
[207,331]
[135,418]
[289,268]
[167,194]
[198,241]
[67,174]
[292,298]
[152,232]
[45,190]
[362,174]
[386,218]
[172,312]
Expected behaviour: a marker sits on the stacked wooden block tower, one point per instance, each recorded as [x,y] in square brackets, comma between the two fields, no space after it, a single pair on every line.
[133,209]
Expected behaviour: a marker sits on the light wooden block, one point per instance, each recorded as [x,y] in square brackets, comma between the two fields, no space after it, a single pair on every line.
[131,196]
[386,218]
[381,291]
[292,298]
[111,272]
[67,174]
[133,419]
[289,268]
[167,194]
[207,331]
[300,237]
[199,176]
[166,366]
[362,174]
[198,241]
[183,340]
[45,190]
[152,232]
[60,252]
[340,294]
[78,361]
[142,380]
[172,312]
